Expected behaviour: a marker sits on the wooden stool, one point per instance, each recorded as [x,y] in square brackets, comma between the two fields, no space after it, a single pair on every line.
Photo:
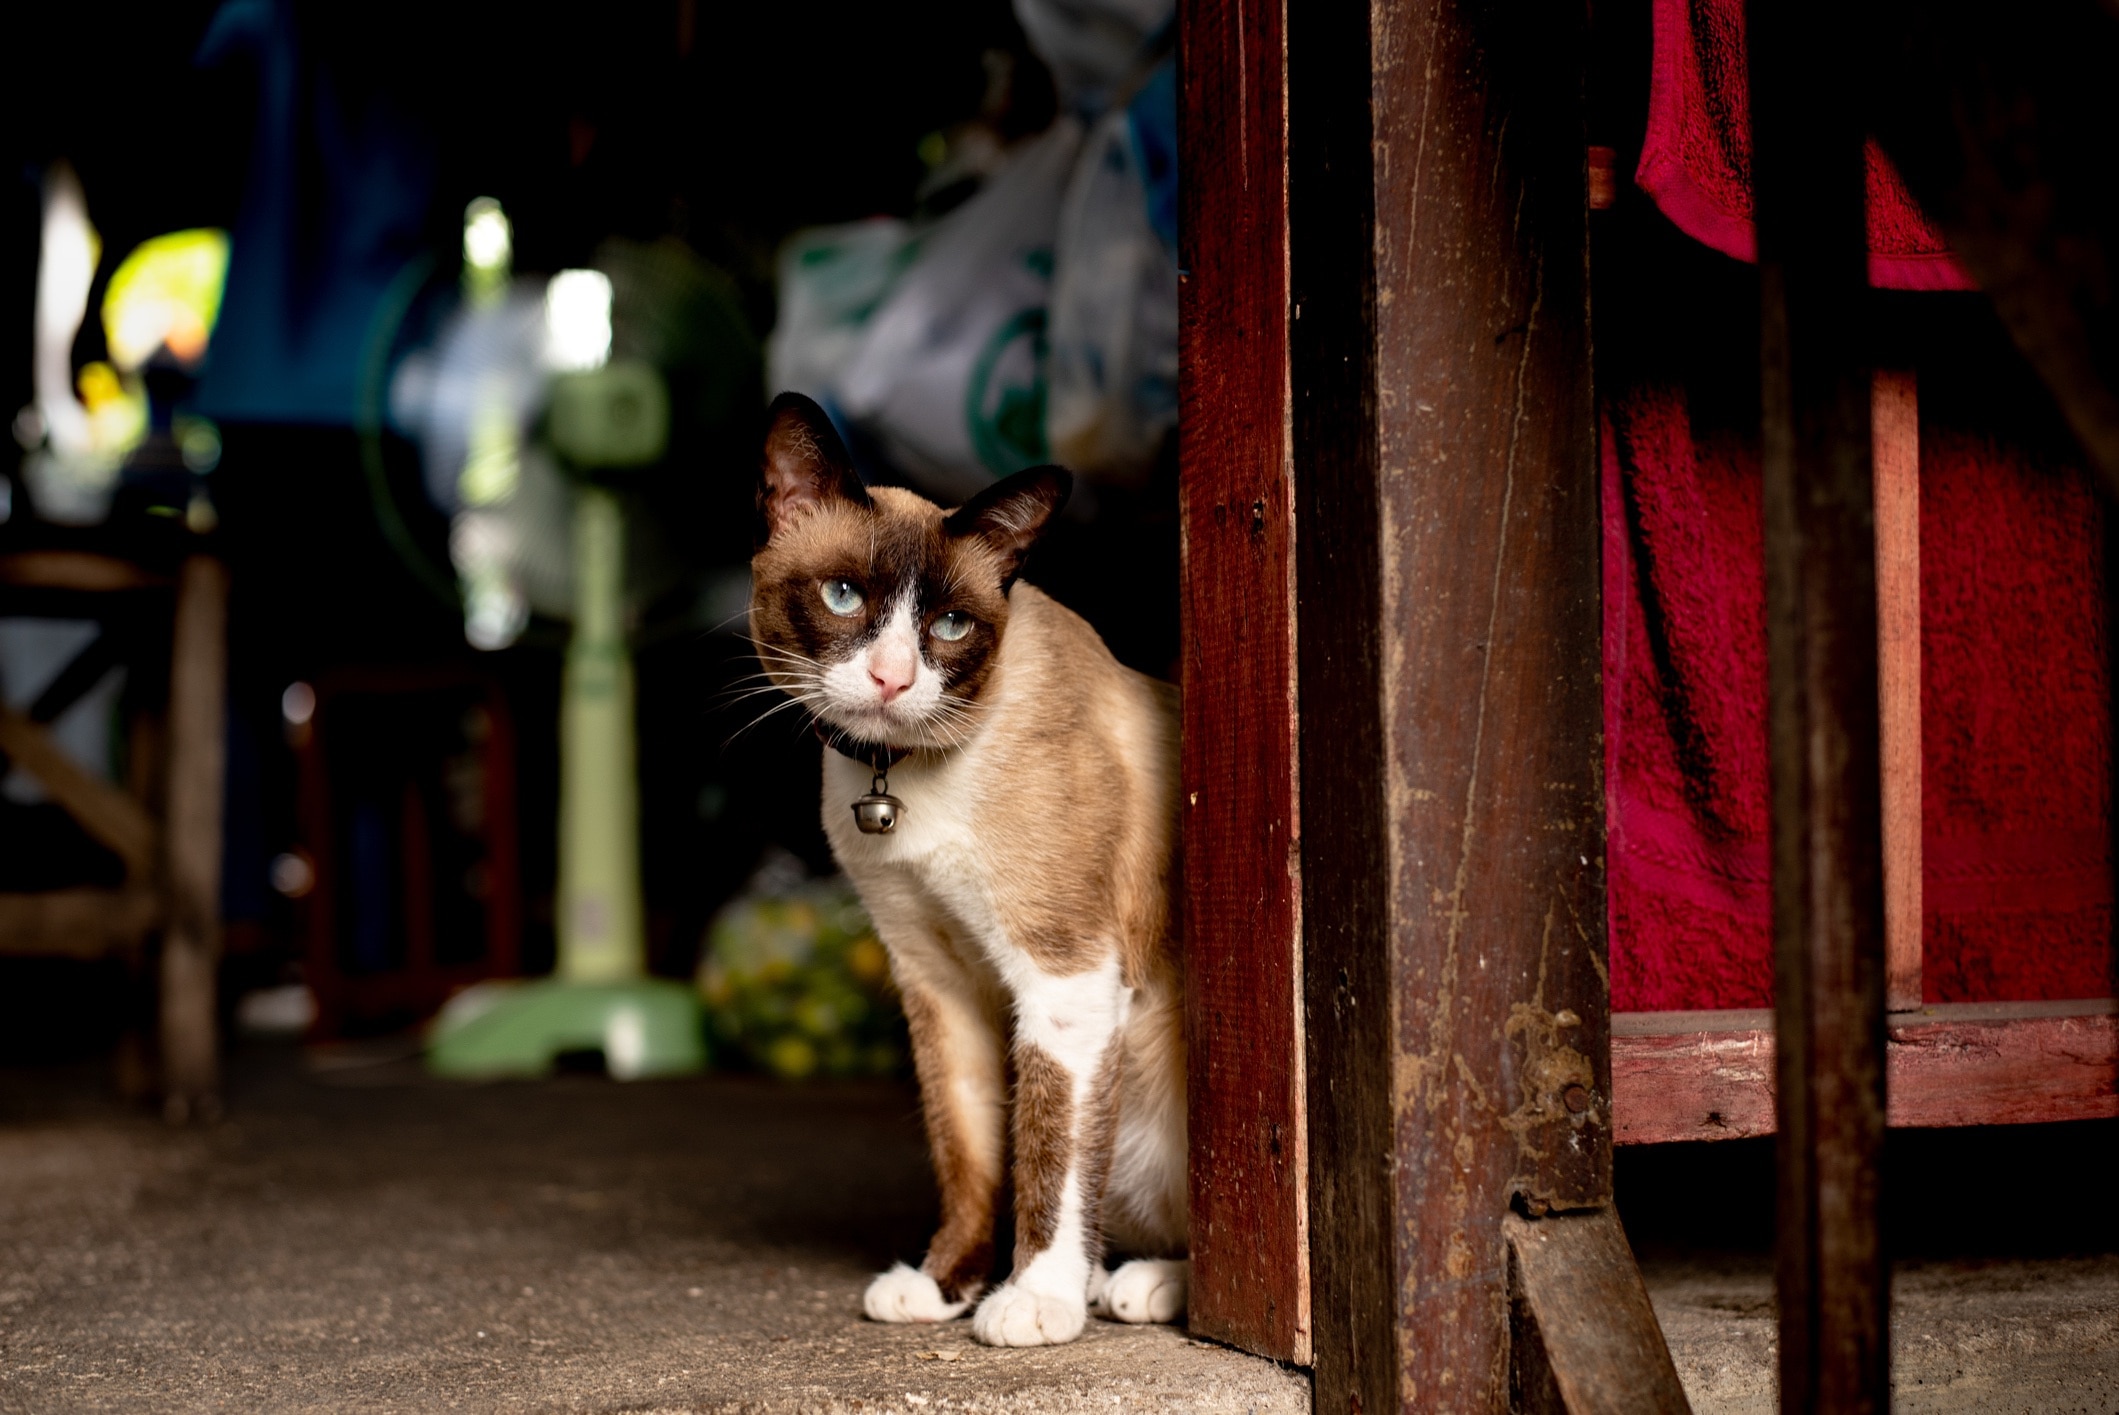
[172,865]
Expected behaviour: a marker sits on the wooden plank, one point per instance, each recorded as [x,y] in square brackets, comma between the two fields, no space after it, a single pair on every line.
[1949,1065]
[1585,1335]
[1242,885]
[76,570]
[76,923]
[1446,542]
[197,754]
[1707,1085]
[1895,432]
[1958,1071]
[1821,638]
[106,813]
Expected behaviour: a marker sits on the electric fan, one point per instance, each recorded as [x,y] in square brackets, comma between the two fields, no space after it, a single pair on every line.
[564,425]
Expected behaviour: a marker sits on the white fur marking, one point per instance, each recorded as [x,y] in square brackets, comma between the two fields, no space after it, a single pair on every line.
[1146,1290]
[908,1295]
[1020,1316]
[854,700]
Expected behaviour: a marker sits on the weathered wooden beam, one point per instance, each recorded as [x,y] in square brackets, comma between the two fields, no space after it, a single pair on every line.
[191,943]
[1821,634]
[1895,422]
[1242,887]
[1585,1336]
[106,813]
[1709,1075]
[1449,651]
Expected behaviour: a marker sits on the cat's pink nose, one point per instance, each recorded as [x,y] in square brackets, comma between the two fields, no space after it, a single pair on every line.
[889,683]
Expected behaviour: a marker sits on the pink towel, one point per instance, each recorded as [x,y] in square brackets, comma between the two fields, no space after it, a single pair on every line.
[1696,158]
[2016,714]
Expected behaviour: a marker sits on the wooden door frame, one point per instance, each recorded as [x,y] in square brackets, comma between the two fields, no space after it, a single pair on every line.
[1395,926]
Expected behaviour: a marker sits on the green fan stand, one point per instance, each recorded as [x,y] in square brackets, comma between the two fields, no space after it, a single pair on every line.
[600,998]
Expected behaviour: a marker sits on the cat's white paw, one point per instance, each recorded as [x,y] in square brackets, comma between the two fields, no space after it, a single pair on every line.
[1146,1290]
[908,1295]
[1017,1316]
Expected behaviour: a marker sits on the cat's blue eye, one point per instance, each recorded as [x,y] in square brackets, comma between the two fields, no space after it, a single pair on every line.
[841,597]
[952,626]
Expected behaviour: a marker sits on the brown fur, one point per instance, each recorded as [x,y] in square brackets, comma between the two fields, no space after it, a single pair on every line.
[1044,1134]
[961,1255]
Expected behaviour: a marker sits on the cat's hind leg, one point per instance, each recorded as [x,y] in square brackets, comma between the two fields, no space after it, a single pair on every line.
[957,1053]
[1146,1290]
[1068,1060]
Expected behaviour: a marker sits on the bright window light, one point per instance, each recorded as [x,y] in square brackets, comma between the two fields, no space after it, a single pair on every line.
[577,320]
[489,242]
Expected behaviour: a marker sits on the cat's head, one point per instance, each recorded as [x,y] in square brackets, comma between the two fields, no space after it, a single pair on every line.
[877,609]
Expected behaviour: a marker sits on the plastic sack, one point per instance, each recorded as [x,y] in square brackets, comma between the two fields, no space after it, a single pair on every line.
[1112,331]
[831,279]
[1091,46]
[950,377]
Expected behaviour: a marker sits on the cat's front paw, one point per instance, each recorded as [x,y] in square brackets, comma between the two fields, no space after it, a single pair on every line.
[908,1295]
[1146,1290]
[1017,1316]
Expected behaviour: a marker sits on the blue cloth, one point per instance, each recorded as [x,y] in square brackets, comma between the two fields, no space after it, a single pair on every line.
[335,206]
[1153,117]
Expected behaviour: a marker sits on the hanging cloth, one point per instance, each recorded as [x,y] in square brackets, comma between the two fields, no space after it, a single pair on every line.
[1696,156]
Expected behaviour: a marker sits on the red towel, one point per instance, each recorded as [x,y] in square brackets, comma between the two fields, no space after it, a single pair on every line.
[2016,881]
[1696,158]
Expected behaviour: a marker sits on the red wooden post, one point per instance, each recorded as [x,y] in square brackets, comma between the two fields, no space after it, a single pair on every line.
[1821,633]
[1250,1262]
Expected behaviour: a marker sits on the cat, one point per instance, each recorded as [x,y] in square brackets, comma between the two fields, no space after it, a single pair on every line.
[1025,891]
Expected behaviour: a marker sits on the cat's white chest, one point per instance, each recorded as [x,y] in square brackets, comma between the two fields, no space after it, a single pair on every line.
[936,834]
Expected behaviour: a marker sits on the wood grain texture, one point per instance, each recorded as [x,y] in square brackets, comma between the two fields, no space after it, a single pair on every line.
[109,815]
[1586,1338]
[1895,431]
[1242,885]
[1710,1076]
[191,944]
[1449,657]
[1821,639]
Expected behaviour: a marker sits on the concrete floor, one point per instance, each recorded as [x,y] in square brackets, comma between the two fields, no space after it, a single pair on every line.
[359,1239]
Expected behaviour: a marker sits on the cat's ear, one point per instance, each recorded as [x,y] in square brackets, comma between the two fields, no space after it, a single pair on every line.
[804,465]
[1012,513]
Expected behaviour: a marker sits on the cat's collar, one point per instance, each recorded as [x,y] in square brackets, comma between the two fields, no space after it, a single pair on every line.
[876,756]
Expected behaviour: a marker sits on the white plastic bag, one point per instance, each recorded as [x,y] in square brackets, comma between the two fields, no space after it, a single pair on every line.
[950,377]
[831,279]
[1112,332]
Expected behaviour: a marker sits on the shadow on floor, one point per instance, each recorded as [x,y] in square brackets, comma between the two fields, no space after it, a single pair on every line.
[364,1239]
[2006,1267]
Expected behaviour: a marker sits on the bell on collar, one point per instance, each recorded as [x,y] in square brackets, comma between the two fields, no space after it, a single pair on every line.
[877,812]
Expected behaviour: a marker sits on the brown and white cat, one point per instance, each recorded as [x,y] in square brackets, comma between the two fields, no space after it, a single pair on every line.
[1024,893]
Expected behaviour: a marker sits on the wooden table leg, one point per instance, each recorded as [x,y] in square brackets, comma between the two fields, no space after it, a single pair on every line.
[1821,637]
[1449,646]
[191,943]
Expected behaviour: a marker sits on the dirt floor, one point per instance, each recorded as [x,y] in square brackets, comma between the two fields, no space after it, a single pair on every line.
[359,1239]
